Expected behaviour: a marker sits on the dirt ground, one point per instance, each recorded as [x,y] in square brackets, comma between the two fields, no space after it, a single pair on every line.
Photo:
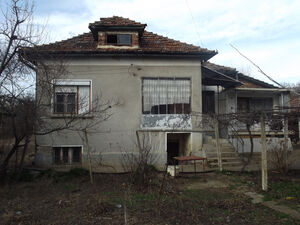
[52,198]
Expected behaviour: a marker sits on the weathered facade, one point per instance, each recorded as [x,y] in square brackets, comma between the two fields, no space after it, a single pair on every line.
[159,84]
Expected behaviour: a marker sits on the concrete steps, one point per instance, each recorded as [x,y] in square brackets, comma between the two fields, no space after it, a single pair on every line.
[230,159]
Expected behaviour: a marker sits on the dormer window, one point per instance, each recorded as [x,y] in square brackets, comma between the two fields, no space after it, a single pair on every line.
[118,39]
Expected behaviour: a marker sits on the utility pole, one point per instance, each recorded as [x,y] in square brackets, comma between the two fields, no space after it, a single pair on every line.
[264,166]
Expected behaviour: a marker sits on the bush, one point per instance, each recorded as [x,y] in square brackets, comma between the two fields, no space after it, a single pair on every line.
[140,163]
[278,156]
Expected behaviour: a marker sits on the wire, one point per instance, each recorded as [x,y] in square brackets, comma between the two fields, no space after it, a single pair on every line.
[196,28]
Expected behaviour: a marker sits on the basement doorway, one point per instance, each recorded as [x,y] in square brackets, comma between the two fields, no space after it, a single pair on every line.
[178,144]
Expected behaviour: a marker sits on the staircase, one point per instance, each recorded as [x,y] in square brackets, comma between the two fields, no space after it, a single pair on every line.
[230,159]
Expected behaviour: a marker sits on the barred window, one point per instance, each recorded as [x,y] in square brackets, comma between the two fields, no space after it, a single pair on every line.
[66,155]
[166,95]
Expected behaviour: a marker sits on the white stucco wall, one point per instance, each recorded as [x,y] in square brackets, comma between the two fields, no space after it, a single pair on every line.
[120,80]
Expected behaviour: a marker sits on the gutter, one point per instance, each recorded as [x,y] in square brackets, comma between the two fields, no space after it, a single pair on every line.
[203,56]
[264,89]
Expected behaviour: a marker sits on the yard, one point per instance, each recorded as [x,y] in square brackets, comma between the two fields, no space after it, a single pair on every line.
[69,198]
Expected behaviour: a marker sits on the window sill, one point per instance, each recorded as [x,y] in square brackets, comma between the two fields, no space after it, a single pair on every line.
[64,116]
[66,167]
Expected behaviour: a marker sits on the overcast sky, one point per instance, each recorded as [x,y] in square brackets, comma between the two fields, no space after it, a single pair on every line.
[267,31]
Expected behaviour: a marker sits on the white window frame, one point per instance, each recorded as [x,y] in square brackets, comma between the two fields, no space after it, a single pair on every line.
[72,83]
[172,99]
[70,155]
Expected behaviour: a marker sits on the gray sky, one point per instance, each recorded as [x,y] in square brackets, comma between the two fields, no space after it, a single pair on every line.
[267,31]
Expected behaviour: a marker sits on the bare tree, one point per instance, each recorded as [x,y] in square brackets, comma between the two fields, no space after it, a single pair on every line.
[25,69]
[16,32]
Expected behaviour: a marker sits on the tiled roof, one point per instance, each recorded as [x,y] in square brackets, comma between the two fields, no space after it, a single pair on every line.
[116,21]
[232,72]
[295,102]
[150,43]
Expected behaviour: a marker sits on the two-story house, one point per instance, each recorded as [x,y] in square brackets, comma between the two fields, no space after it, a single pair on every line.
[158,83]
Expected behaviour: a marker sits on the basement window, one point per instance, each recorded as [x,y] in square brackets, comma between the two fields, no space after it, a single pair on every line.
[67,155]
[166,96]
[118,39]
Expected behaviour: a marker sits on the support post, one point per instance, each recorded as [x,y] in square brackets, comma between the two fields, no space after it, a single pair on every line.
[299,129]
[286,138]
[264,166]
[219,155]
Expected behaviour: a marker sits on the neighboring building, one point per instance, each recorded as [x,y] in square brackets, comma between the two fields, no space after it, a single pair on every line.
[294,123]
[159,83]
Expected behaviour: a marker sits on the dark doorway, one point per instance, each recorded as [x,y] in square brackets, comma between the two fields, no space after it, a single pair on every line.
[172,151]
[208,102]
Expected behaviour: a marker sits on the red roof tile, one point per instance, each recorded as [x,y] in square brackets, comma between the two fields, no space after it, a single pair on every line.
[295,102]
[150,43]
[248,82]
[117,21]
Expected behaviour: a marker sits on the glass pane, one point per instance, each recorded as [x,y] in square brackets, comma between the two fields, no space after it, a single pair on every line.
[243,104]
[60,108]
[124,39]
[261,104]
[111,39]
[65,155]
[76,154]
[71,98]
[70,108]
[56,155]
[59,98]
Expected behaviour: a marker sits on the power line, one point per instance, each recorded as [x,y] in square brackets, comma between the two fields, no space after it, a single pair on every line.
[195,26]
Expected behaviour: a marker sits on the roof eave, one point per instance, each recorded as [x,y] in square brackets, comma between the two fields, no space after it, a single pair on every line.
[202,56]
[219,79]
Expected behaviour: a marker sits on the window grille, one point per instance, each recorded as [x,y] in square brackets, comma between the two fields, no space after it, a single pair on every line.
[66,155]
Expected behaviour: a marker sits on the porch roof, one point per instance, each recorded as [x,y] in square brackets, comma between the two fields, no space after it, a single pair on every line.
[212,77]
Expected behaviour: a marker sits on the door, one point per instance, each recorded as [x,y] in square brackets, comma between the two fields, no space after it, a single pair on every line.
[208,102]
[172,151]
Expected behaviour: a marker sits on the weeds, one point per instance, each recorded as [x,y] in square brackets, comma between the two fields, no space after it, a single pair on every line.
[283,189]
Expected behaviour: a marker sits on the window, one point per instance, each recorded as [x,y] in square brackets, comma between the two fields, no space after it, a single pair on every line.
[66,155]
[72,97]
[65,102]
[118,39]
[166,95]
[254,104]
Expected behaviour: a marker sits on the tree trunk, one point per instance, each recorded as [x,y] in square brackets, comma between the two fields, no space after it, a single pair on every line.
[89,156]
[3,167]
[247,162]
[25,147]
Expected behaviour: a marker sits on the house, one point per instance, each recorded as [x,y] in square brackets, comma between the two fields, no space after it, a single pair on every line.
[159,84]
[294,123]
